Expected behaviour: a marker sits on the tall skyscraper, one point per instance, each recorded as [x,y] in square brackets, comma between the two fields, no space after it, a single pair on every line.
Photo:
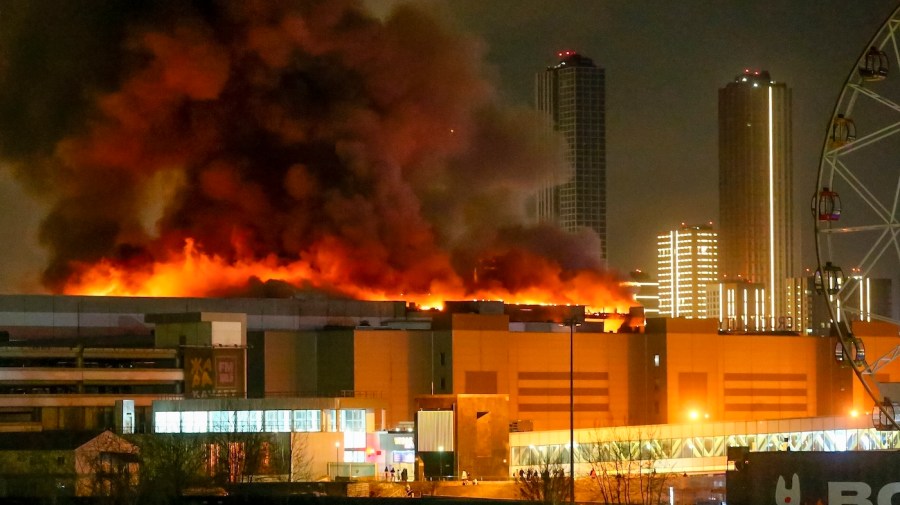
[687,260]
[756,233]
[572,96]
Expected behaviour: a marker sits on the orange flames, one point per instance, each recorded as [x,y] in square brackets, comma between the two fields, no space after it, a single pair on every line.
[269,147]
[193,273]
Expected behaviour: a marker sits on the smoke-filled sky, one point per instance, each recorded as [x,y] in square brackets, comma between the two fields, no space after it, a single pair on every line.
[307,139]
[664,63]
[399,136]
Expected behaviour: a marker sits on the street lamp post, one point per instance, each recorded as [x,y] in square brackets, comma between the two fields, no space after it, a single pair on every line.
[440,462]
[572,409]
[337,458]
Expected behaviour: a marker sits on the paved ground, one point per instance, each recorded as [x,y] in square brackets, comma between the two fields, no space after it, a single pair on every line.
[504,490]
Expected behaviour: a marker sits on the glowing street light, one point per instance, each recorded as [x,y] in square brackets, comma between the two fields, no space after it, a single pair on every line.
[337,457]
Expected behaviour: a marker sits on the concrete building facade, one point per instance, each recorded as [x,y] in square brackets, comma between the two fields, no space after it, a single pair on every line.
[757,241]
[572,96]
[687,260]
[510,361]
[739,306]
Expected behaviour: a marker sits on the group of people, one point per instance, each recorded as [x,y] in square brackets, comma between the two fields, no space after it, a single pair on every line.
[395,476]
[464,477]
[533,475]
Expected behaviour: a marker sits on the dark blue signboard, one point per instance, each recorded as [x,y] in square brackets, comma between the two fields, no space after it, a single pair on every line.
[814,478]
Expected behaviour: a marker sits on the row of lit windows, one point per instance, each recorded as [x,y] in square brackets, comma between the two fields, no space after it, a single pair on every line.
[689,275]
[705,447]
[687,251]
[568,109]
[259,421]
[585,202]
[690,237]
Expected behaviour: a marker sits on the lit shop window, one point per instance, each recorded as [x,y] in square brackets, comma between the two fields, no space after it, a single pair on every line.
[167,422]
[249,421]
[330,419]
[278,421]
[222,421]
[354,440]
[353,420]
[355,456]
[194,422]
[307,420]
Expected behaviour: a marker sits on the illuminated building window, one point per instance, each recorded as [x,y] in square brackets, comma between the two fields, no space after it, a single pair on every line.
[278,421]
[308,420]
[353,420]
[167,422]
[194,422]
[355,456]
[222,421]
[330,419]
[249,421]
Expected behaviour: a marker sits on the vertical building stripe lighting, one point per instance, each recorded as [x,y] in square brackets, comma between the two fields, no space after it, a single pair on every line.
[721,307]
[868,301]
[674,245]
[771,211]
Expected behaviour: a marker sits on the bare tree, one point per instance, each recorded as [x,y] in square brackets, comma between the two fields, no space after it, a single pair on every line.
[240,457]
[626,471]
[170,464]
[545,482]
[301,463]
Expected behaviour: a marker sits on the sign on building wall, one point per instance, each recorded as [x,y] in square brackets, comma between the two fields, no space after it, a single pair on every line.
[213,372]
[813,478]
[198,372]
[229,370]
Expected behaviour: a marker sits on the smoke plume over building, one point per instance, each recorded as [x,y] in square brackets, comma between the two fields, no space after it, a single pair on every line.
[198,148]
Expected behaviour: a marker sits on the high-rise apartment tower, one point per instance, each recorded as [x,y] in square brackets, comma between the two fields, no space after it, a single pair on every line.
[756,233]
[687,260]
[572,96]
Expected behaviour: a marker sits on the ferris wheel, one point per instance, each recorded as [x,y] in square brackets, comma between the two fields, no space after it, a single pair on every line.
[856,210]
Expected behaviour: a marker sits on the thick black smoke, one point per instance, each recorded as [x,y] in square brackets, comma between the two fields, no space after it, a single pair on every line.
[291,128]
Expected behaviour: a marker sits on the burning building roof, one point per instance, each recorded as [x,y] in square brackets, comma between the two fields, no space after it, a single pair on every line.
[224,149]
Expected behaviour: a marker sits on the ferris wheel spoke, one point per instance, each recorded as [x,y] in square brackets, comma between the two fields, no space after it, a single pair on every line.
[896,200]
[857,229]
[884,360]
[875,96]
[896,240]
[851,101]
[867,196]
[863,230]
[878,249]
[890,37]
[884,241]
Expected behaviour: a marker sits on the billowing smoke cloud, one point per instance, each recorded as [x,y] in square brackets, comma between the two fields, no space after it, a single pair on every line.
[276,132]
